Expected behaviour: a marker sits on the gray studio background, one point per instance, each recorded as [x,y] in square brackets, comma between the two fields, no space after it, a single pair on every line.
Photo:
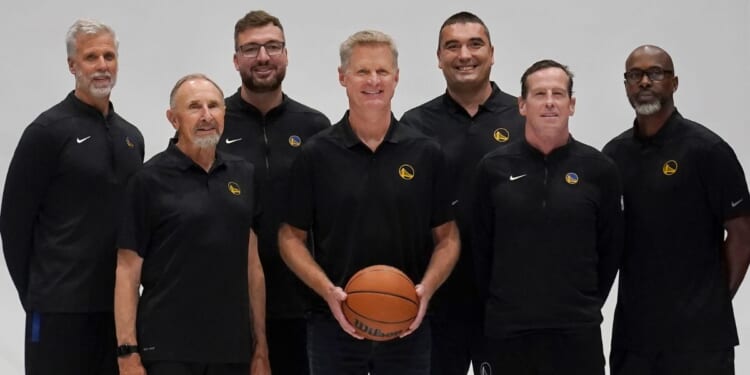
[163,40]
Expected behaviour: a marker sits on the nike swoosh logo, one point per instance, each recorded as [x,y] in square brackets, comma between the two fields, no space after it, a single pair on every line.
[81,140]
[513,178]
[734,204]
[230,141]
[454,202]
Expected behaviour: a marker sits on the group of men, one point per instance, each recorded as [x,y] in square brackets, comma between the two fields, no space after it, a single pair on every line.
[243,231]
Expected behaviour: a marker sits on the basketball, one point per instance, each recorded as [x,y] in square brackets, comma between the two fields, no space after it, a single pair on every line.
[381,303]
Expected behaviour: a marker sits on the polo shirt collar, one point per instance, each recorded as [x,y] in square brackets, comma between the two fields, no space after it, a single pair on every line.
[495,102]
[182,162]
[394,134]
[671,127]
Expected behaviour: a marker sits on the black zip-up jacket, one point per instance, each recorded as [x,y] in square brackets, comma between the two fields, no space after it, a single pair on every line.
[60,206]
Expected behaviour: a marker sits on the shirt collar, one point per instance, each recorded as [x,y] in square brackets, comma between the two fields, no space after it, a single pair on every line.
[670,127]
[394,134]
[495,102]
[184,163]
[89,109]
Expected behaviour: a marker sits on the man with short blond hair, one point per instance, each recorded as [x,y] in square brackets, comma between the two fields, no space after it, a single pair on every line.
[348,184]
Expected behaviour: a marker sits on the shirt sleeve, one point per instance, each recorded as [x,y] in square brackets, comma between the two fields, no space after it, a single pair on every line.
[134,233]
[610,230]
[725,183]
[442,210]
[299,211]
[30,173]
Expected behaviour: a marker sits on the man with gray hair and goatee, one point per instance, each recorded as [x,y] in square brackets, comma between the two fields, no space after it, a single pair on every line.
[683,189]
[60,209]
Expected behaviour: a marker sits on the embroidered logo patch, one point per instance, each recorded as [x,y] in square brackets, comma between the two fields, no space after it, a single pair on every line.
[501,135]
[295,141]
[406,172]
[234,188]
[571,178]
[669,168]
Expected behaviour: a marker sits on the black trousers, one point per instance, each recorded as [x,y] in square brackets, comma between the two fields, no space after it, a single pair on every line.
[455,344]
[628,362]
[574,352]
[185,368]
[71,344]
[287,346]
[334,352]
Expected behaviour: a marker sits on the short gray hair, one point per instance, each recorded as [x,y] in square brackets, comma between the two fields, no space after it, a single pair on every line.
[88,27]
[366,37]
[191,77]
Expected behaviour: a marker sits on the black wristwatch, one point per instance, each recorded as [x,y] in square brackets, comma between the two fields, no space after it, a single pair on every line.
[126,350]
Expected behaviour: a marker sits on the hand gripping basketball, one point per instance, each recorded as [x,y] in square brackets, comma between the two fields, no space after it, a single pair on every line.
[381,302]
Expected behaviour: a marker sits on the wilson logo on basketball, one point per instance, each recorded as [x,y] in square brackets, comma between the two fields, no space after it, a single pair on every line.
[375,332]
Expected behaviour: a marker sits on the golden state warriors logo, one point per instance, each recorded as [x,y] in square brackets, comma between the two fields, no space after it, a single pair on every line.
[234,188]
[129,142]
[406,172]
[571,178]
[295,141]
[669,168]
[501,135]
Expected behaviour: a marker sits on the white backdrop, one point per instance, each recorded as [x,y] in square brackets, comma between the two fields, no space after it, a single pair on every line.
[163,40]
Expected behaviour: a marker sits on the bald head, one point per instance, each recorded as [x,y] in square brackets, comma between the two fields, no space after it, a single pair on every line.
[654,52]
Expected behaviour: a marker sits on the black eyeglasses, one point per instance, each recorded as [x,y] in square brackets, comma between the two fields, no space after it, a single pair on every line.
[252,50]
[654,74]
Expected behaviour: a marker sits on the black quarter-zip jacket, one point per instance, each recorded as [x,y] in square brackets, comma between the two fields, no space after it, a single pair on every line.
[548,237]
[61,209]
[271,143]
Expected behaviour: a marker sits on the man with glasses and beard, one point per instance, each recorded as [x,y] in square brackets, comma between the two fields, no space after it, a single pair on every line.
[683,188]
[266,127]
[60,210]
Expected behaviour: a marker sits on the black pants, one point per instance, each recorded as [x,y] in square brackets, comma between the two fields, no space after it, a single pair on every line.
[184,368]
[626,362]
[577,352]
[287,346]
[333,352]
[71,344]
[455,344]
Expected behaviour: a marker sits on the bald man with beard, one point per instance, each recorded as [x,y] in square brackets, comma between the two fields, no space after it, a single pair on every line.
[683,188]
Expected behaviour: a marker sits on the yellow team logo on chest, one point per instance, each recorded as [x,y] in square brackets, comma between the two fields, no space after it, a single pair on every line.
[129,142]
[669,168]
[571,178]
[501,135]
[234,188]
[406,172]
[295,141]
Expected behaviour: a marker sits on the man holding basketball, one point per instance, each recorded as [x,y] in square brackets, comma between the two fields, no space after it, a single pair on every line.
[548,241]
[374,193]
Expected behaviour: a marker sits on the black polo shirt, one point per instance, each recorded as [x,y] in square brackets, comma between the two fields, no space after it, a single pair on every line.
[192,230]
[465,140]
[271,143]
[548,237]
[367,207]
[681,185]
[61,206]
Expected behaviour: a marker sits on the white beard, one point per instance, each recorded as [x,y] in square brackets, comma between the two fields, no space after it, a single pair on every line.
[207,141]
[648,108]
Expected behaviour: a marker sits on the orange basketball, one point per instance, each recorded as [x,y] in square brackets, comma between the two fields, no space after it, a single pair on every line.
[381,303]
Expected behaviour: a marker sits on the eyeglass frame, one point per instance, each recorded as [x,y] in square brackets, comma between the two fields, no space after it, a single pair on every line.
[650,73]
[240,51]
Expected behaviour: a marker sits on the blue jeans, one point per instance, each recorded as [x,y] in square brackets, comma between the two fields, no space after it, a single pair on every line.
[333,352]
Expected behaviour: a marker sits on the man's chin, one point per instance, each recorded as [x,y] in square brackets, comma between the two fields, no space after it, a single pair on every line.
[647,109]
